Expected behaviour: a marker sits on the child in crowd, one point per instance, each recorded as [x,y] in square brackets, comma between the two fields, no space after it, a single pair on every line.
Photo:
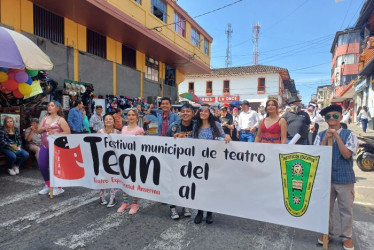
[108,129]
[131,129]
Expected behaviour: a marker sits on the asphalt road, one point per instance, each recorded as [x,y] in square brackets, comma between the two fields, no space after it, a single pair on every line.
[76,220]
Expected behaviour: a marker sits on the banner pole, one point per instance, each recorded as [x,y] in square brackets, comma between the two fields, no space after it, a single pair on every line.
[51,192]
[325,236]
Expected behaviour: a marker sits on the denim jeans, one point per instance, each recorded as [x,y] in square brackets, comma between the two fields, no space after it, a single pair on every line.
[246,136]
[23,154]
[364,124]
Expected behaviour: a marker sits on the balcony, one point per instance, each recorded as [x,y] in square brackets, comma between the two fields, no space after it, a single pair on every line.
[366,63]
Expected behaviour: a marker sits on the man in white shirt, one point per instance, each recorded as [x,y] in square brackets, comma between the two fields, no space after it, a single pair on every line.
[247,123]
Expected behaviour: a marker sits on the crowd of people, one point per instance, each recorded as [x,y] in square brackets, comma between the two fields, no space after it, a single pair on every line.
[265,125]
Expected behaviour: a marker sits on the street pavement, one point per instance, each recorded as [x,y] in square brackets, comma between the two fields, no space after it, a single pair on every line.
[76,220]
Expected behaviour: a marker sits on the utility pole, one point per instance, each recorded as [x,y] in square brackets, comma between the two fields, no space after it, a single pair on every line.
[228,49]
[256,31]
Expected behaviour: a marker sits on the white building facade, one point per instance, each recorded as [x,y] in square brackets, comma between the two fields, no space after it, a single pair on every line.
[256,84]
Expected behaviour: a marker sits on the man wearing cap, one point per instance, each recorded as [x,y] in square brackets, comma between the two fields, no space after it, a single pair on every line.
[33,138]
[298,121]
[96,120]
[342,175]
[247,123]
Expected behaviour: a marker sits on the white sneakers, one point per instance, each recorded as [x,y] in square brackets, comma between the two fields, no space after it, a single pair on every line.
[56,191]
[14,170]
[45,190]
[11,171]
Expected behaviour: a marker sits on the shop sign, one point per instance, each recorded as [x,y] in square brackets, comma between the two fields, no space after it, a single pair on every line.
[360,86]
[228,98]
[208,99]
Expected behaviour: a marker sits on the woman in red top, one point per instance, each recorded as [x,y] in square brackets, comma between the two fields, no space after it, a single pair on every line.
[272,129]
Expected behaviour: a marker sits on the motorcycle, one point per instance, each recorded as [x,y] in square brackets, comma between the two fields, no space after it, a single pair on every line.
[365,154]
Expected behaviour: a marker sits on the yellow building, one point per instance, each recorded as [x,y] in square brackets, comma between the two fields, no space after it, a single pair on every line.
[123,47]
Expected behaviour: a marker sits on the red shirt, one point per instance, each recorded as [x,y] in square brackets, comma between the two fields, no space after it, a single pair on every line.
[165,124]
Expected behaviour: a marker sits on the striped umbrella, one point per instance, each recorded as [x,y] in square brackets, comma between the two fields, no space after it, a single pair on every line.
[19,52]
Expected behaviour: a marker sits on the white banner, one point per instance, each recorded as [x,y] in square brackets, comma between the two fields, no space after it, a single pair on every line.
[282,184]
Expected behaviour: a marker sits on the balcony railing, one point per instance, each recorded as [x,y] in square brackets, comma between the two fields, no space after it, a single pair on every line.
[367,55]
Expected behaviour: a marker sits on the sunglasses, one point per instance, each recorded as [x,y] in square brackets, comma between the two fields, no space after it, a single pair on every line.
[335,116]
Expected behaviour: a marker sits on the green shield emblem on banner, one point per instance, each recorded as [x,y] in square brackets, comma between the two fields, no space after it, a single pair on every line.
[298,173]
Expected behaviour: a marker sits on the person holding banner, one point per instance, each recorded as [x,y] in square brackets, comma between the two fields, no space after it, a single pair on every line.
[131,129]
[108,129]
[182,129]
[342,176]
[272,128]
[207,128]
[53,123]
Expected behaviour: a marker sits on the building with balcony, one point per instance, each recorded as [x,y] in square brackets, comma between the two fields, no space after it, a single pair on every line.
[364,87]
[344,66]
[254,83]
[123,47]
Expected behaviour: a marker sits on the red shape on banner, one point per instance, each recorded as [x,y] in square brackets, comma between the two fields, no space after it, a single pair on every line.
[65,163]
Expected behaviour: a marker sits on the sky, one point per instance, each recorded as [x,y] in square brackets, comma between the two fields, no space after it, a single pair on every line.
[294,34]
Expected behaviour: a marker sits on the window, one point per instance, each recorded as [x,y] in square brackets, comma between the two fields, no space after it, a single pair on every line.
[128,57]
[206,47]
[138,1]
[347,38]
[179,25]
[151,69]
[347,59]
[191,87]
[48,25]
[169,75]
[261,85]
[209,88]
[226,87]
[195,38]
[96,43]
[159,9]
[345,80]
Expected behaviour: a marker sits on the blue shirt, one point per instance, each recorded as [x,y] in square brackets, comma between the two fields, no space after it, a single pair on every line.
[75,120]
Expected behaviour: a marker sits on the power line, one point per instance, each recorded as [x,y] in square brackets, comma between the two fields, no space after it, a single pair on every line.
[203,14]
[346,13]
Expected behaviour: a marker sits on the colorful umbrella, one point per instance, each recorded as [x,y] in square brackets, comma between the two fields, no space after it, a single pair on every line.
[191,97]
[19,52]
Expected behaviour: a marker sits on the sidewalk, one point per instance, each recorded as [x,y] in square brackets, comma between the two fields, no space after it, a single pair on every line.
[358,130]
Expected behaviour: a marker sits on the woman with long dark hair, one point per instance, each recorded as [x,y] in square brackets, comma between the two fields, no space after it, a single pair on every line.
[272,128]
[53,123]
[209,129]
[10,145]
